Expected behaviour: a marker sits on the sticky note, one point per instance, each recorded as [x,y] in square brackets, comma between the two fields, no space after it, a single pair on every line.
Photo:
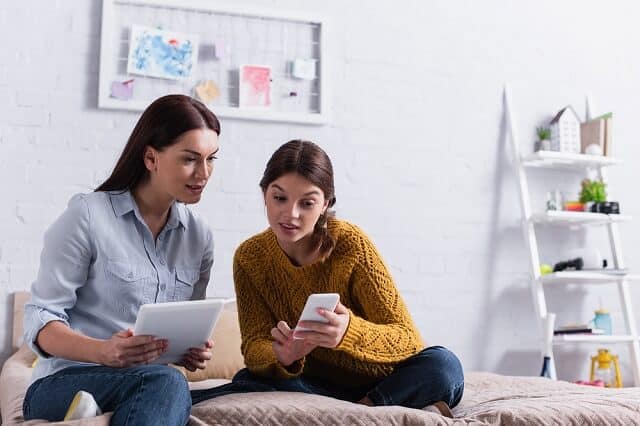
[218,49]
[207,91]
[122,90]
[304,69]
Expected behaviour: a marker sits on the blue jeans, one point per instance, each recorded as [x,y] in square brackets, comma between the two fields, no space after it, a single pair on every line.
[149,394]
[434,374]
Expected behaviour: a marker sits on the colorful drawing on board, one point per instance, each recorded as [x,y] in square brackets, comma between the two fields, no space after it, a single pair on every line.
[162,54]
[255,86]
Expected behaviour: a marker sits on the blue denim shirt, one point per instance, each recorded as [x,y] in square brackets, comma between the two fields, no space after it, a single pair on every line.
[100,262]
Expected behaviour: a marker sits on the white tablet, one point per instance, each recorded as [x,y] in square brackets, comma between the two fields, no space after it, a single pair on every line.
[184,324]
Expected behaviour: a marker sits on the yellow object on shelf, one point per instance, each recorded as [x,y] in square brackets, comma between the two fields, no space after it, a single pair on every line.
[605,367]
[545,269]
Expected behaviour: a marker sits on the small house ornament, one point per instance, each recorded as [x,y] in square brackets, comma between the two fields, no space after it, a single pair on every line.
[565,131]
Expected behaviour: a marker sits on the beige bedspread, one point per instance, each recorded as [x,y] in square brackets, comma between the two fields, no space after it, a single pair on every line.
[488,399]
[508,400]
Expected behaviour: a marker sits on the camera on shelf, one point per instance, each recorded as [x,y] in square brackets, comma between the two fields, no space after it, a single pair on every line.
[574,265]
[607,207]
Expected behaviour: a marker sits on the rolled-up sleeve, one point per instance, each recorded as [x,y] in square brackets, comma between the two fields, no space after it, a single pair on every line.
[200,288]
[64,264]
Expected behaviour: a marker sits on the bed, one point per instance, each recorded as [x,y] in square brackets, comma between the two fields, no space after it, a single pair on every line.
[489,399]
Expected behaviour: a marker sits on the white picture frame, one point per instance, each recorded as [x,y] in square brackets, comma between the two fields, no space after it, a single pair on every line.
[314,102]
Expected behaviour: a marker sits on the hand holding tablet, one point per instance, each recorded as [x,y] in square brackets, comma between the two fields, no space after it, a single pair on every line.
[184,325]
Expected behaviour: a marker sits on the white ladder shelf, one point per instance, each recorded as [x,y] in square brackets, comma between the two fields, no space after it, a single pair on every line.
[560,160]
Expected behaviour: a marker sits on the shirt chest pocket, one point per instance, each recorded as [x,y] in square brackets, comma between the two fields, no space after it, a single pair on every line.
[127,273]
[185,279]
[127,282]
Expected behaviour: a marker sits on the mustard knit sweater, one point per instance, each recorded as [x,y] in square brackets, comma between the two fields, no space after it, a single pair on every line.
[269,288]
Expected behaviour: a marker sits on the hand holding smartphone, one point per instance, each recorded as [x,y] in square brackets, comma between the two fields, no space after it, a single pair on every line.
[326,301]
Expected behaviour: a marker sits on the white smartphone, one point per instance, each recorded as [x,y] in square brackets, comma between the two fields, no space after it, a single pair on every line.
[326,301]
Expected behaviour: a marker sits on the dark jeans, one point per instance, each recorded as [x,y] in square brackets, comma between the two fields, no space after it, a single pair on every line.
[434,374]
[145,395]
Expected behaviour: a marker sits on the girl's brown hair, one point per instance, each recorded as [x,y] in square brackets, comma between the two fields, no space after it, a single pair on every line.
[312,163]
[159,126]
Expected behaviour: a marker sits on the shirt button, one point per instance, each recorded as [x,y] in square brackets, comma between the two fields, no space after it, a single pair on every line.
[162,261]
[163,287]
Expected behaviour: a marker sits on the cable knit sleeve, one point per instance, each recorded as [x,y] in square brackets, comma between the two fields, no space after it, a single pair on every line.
[388,334]
[256,322]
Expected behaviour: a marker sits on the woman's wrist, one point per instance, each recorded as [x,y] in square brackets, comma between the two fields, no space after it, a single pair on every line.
[284,361]
[96,351]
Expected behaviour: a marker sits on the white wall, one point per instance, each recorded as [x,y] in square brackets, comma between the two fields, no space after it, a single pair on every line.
[417,138]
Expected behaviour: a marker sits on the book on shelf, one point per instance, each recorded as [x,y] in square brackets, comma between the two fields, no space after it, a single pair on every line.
[608,120]
[597,132]
[592,132]
[577,329]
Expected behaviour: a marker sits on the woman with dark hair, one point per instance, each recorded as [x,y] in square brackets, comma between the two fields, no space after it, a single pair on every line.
[132,241]
[369,351]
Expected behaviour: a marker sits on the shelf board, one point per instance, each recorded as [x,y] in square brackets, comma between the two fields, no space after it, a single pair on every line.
[577,218]
[564,160]
[585,277]
[591,338]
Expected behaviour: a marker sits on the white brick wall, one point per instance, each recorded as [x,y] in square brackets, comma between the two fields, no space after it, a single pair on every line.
[417,139]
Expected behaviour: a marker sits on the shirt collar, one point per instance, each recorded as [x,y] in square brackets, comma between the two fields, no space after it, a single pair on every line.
[124,203]
[177,216]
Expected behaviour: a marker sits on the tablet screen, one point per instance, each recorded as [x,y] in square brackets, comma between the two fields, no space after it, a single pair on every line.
[185,325]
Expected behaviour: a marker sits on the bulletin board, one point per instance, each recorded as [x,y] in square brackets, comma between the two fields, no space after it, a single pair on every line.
[242,63]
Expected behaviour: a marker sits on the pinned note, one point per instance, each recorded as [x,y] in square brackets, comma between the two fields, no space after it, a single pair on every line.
[218,49]
[207,91]
[122,90]
[304,69]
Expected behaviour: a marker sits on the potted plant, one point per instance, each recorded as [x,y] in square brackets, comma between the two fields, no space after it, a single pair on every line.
[544,139]
[593,191]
